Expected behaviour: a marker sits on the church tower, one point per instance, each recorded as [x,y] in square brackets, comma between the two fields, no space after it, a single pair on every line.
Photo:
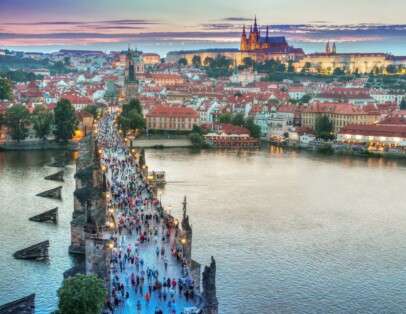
[334,49]
[244,41]
[328,50]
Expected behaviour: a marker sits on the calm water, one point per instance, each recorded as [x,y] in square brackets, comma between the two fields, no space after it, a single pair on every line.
[291,233]
[21,177]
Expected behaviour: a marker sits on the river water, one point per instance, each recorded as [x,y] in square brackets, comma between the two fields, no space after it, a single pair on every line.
[291,233]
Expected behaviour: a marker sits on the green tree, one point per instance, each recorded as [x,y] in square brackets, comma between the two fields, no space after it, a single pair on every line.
[324,128]
[197,139]
[92,109]
[182,62]
[219,67]
[338,71]
[65,120]
[17,119]
[134,104]
[248,62]
[305,99]
[82,294]
[208,61]
[132,121]
[291,67]
[197,129]
[238,119]
[5,88]
[66,61]
[306,67]
[197,61]
[403,104]
[225,117]
[42,120]
[255,130]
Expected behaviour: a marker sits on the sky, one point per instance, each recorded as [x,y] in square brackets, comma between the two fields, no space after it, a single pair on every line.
[30,23]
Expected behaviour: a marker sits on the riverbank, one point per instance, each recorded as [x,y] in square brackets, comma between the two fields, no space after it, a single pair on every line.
[341,149]
[162,142]
[38,145]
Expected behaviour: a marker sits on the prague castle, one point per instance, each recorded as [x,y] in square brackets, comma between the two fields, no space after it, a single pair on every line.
[259,46]
[252,45]
[253,42]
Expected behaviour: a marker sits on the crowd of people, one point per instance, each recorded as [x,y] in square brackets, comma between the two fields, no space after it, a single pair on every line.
[148,272]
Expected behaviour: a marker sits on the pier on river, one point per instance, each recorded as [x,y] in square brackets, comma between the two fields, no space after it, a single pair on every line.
[142,252]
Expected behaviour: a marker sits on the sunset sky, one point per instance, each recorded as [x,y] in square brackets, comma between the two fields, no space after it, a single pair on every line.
[43,22]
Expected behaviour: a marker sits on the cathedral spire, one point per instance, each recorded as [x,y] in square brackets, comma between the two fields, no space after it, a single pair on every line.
[255,24]
[328,50]
[267,33]
[243,30]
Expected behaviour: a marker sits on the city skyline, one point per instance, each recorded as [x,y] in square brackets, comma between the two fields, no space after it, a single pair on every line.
[46,22]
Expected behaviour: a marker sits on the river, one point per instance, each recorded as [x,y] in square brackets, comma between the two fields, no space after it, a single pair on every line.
[291,232]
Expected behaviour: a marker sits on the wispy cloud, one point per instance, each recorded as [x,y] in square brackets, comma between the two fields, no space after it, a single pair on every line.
[124,30]
[237,19]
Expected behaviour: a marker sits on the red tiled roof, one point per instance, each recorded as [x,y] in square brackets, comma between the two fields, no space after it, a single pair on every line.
[375,130]
[173,112]
[341,108]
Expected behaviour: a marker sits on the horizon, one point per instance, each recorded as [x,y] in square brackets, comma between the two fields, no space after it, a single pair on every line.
[52,25]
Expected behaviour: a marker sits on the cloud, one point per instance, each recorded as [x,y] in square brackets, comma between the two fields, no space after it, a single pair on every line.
[131,21]
[219,26]
[237,19]
[226,32]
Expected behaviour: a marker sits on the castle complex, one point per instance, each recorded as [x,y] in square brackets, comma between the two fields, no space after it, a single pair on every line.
[254,43]
[258,45]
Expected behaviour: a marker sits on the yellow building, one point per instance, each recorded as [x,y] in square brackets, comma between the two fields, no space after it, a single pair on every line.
[340,114]
[327,62]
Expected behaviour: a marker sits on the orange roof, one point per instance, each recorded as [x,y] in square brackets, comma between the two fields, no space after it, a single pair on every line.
[173,112]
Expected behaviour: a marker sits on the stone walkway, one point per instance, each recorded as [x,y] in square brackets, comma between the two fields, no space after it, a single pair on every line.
[136,255]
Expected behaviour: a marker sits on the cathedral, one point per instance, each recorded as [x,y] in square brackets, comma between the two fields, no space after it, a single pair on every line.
[254,42]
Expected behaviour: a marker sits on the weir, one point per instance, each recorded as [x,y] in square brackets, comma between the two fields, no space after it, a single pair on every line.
[100,231]
[24,305]
[58,176]
[50,216]
[55,193]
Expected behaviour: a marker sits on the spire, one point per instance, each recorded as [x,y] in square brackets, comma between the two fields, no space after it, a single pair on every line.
[243,30]
[255,24]
[267,33]
[334,49]
[328,50]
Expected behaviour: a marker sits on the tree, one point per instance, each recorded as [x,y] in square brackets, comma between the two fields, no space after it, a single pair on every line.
[392,69]
[324,128]
[225,117]
[65,120]
[208,61]
[238,119]
[306,67]
[403,104]
[82,294]
[182,62]
[92,109]
[338,71]
[291,67]
[17,119]
[132,121]
[5,89]
[305,99]
[197,61]
[42,120]
[134,104]
[248,62]
[219,67]
[197,139]
[255,130]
